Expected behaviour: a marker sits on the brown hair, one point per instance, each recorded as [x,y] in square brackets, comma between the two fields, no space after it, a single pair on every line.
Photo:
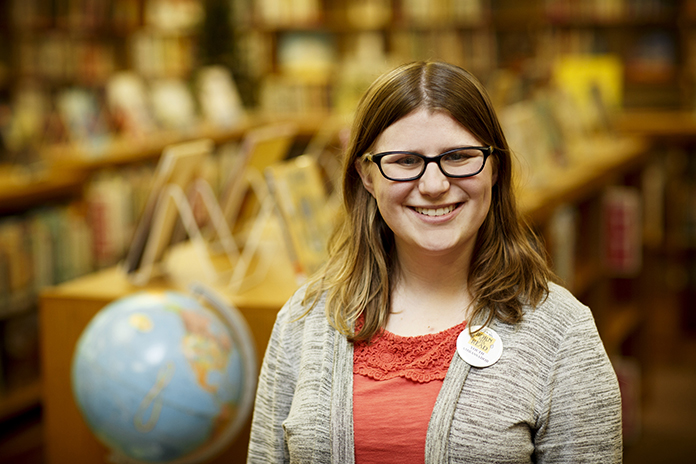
[507,268]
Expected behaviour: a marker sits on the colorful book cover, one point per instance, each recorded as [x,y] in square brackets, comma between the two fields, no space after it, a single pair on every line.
[299,192]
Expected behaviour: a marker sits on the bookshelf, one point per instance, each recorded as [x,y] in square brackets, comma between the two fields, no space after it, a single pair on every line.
[47,48]
[320,56]
[674,135]
[61,199]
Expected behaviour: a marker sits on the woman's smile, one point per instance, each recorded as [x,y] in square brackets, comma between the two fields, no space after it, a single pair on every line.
[435,212]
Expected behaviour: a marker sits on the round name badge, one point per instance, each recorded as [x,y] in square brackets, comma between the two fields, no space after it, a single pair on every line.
[483,349]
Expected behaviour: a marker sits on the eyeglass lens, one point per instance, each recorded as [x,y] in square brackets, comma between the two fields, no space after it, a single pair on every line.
[463,162]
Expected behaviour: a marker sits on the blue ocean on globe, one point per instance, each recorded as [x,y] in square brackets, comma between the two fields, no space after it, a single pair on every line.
[159,377]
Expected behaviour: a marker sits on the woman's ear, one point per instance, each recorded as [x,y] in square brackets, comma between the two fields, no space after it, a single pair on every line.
[365,175]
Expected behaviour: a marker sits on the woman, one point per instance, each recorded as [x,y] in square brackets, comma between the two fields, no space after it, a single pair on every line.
[377,358]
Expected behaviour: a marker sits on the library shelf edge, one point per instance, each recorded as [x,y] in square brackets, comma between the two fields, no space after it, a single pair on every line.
[20,192]
[69,165]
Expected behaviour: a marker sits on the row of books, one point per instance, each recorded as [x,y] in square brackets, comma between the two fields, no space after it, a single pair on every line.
[312,78]
[609,10]
[288,12]
[127,106]
[287,95]
[619,252]
[112,14]
[651,57]
[443,11]
[61,57]
[475,50]
[41,248]
[51,245]
[369,14]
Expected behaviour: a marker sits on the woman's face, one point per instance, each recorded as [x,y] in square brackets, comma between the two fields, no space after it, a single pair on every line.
[434,214]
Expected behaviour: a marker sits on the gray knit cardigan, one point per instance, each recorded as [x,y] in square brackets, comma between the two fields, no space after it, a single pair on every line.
[553,396]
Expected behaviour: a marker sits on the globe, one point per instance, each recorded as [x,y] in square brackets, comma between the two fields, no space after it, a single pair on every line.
[165,376]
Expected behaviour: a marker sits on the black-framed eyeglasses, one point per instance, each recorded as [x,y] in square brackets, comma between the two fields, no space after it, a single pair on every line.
[402,166]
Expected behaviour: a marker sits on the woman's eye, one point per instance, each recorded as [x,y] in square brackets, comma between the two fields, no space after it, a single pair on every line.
[458,156]
[404,160]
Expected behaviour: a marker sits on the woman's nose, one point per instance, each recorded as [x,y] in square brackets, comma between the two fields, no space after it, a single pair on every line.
[433,182]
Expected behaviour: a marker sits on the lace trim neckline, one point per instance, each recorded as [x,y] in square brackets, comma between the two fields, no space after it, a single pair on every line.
[419,358]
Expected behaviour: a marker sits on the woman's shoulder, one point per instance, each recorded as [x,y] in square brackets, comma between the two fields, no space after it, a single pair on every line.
[558,312]
[559,321]
[300,311]
[561,302]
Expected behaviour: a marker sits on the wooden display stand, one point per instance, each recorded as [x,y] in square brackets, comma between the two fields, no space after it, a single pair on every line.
[65,312]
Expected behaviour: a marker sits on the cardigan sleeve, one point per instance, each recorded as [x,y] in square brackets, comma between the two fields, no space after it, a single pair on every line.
[581,417]
[275,392]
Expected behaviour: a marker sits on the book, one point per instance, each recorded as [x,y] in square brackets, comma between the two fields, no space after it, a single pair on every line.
[563,235]
[16,254]
[173,104]
[178,166]
[301,196]
[622,231]
[24,129]
[129,104]
[41,252]
[368,14]
[218,96]
[84,117]
[261,147]
[307,56]
[594,82]
[108,198]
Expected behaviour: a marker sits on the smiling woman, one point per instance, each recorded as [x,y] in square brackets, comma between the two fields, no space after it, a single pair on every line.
[435,214]
[434,332]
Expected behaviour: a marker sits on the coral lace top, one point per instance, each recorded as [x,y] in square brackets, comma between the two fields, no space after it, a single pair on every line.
[396,381]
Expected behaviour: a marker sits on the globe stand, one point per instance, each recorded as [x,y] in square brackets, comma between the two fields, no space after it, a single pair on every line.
[242,333]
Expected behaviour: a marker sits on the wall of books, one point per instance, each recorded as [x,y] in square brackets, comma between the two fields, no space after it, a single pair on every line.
[91,91]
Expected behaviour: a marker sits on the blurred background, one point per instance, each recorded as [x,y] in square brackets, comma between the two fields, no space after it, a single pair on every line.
[597,98]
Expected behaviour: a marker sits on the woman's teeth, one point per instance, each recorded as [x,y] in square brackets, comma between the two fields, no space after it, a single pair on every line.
[435,212]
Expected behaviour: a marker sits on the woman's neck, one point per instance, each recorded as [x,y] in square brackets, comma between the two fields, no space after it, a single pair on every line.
[430,293]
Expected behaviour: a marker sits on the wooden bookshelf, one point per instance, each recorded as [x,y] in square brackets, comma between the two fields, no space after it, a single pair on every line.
[673,133]
[17,399]
[20,190]
[675,126]
[606,158]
